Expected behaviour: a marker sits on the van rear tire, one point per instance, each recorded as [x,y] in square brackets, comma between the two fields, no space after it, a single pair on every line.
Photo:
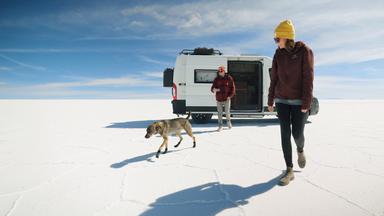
[201,118]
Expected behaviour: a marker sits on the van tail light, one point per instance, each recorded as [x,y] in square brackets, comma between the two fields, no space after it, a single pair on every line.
[174,91]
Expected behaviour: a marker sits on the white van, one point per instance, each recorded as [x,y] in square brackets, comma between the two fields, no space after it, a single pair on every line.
[194,72]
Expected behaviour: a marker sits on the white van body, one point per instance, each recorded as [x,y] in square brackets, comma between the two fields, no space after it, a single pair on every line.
[191,80]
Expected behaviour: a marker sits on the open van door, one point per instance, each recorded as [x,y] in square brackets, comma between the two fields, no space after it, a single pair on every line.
[248,78]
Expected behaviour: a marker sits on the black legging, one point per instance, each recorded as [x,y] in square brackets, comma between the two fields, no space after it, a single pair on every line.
[291,115]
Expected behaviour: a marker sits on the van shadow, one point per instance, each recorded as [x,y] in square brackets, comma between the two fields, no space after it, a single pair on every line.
[211,123]
[207,199]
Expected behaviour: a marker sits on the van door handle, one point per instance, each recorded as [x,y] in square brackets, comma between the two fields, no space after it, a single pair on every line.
[180,84]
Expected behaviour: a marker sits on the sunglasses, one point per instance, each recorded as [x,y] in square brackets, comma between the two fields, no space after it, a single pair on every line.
[277,40]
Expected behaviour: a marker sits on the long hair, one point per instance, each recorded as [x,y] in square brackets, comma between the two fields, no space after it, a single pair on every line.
[289,44]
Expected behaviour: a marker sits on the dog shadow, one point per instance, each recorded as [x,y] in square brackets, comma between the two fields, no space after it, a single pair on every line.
[131,124]
[211,123]
[207,199]
[147,157]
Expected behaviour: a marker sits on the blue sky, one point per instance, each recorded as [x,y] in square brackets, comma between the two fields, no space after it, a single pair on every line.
[118,49]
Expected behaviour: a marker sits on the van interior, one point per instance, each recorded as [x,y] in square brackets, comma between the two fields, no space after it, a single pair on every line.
[248,81]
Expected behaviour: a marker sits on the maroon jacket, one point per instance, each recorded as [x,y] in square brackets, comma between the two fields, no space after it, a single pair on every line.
[226,86]
[292,75]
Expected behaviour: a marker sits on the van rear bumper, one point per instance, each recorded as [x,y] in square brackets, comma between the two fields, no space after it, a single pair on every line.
[179,107]
[208,109]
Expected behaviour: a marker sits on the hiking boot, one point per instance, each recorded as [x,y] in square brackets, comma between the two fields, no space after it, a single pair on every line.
[287,177]
[301,159]
[229,125]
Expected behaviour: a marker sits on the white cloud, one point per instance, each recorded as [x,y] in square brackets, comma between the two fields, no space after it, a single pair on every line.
[34,67]
[154,74]
[81,50]
[127,81]
[155,61]
[5,68]
[153,36]
[349,55]
[204,17]
[41,50]
[20,93]
[86,87]
[131,95]
[338,31]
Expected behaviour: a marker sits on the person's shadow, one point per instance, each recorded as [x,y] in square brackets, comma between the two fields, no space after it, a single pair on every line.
[207,199]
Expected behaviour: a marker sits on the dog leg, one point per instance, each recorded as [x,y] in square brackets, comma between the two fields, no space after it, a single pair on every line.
[188,129]
[181,139]
[166,148]
[161,146]
[194,141]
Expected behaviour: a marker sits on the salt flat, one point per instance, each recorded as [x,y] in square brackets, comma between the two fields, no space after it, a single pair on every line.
[90,157]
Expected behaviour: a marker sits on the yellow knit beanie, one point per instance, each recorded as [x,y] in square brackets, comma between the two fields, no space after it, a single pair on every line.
[285,30]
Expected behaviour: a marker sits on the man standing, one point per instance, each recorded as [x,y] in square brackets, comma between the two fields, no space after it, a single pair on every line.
[224,88]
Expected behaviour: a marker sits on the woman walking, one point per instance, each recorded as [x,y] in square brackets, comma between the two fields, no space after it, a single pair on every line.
[224,88]
[291,89]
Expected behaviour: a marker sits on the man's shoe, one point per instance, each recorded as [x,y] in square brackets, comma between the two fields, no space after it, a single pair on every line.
[229,124]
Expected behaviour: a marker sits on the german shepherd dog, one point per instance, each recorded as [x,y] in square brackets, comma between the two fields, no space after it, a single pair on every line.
[167,127]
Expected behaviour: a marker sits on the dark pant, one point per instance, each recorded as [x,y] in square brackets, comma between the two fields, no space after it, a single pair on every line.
[291,115]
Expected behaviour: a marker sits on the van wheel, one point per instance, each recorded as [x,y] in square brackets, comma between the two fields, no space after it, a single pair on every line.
[201,118]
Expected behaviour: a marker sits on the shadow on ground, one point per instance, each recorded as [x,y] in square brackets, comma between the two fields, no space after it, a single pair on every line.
[212,123]
[146,157]
[207,199]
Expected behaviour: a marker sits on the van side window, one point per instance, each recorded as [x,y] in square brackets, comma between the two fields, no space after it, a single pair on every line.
[205,75]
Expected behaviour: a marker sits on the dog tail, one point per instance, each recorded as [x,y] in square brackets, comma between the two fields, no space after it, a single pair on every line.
[189,114]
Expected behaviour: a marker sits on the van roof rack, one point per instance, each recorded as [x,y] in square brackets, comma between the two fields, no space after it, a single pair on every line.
[200,51]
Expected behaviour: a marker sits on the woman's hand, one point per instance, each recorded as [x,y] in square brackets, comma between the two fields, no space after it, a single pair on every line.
[304,110]
[270,108]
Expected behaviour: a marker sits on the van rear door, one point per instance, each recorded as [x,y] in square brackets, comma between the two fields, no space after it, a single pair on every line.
[200,73]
